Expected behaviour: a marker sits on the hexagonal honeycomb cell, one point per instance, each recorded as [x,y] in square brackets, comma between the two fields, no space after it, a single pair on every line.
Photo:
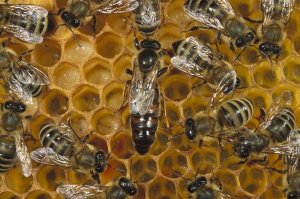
[87,71]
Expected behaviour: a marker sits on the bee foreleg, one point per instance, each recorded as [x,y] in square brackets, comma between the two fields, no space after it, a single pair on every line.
[96,177]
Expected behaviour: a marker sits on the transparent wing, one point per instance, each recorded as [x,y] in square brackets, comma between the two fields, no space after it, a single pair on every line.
[228,196]
[23,154]
[48,156]
[188,67]
[117,6]
[25,13]
[207,19]
[149,12]
[276,10]
[79,191]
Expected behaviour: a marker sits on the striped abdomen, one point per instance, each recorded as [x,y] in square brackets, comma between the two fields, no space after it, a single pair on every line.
[8,155]
[51,136]
[144,126]
[235,113]
[281,125]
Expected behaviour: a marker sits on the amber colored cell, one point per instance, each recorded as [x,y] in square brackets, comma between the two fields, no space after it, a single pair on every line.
[75,177]
[97,71]
[228,180]
[66,76]
[105,122]
[114,171]
[141,194]
[244,8]
[167,34]
[244,75]
[277,180]
[143,168]
[193,105]
[266,75]
[286,49]
[176,87]
[78,49]
[18,49]
[173,164]
[172,113]
[121,64]
[250,56]
[119,23]
[89,24]
[292,26]
[112,95]
[162,188]
[126,117]
[291,69]
[228,159]
[55,103]
[48,53]
[259,99]
[78,122]
[108,45]
[297,44]
[86,98]
[121,145]
[8,195]
[15,180]
[294,90]
[50,177]
[273,193]
[180,141]
[176,13]
[160,143]
[38,194]
[253,180]
[204,159]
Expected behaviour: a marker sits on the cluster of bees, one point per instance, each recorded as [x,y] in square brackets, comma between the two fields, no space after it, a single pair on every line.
[223,119]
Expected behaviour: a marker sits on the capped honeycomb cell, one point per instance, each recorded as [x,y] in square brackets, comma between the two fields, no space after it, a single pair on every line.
[50,177]
[8,195]
[121,144]
[48,53]
[121,64]
[162,188]
[38,194]
[97,71]
[108,45]
[105,122]
[143,168]
[86,98]
[253,180]
[119,23]
[176,87]
[291,69]
[173,164]
[16,182]
[66,76]
[204,159]
[78,49]
[112,95]
[266,75]
[55,102]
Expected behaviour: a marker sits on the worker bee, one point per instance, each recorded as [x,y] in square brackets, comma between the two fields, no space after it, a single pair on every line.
[21,78]
[219,15]
[276,13]
[293,191]
[197,59]
[121,189]
[62,147]
[147,16]
[12,145]
[78,10]
[26,22]
[144,96]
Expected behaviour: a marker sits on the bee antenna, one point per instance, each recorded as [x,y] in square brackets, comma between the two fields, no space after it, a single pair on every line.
[119,170]
[236,59]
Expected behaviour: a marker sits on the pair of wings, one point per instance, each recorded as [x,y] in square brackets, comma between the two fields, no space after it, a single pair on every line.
[24,13]
[72,191]
[149,11]
[142,90]
[114,6]
[22,77]
[208,55]
[207,19]
[270,12]
[47,155]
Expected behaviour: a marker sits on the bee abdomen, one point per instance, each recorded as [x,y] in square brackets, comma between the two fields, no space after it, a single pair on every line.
[8,154]
[281,125]
[235,113]
[52,137]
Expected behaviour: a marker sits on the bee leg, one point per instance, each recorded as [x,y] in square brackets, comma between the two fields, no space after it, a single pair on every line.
[24,53]
[277,170]
[202,83]
[232,47]
[243,161]
[86,137]
[125,95]
[162,71]
[252,20]
[194,28]
[94,25]
[96,177]
[255,161]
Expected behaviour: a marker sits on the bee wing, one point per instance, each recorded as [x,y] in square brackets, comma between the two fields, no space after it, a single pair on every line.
[48,156]
[270,11]
[117,6]
[207,19]
[188,67]
[23,154]
[24,12]
[71,191]
[149,12]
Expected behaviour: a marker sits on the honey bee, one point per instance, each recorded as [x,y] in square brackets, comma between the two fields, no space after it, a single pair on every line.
[272,32]
[78,10]
[219,15]
[123,188]
[62,147]
[293,191]
[144,96]
[21,78]
[197,59]
[26,22]
[147,16]
[12,145]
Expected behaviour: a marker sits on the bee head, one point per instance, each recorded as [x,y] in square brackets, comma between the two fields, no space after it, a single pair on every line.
[100,161]
[199,182]
[269,48]
[242,148]
[127,186]
[16,107]
[190,128]
[70,19]
[292,195]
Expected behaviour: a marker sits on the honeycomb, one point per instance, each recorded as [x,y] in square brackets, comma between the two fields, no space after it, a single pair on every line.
[87,84]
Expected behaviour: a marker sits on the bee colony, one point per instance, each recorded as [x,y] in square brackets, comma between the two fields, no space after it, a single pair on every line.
[86,85]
